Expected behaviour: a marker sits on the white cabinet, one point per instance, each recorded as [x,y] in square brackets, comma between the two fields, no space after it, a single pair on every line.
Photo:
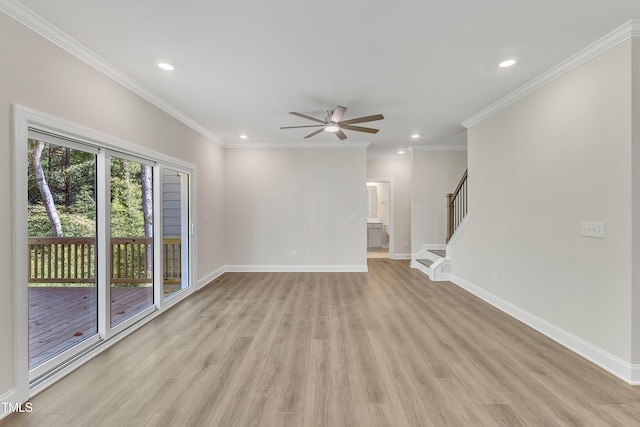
[374,235]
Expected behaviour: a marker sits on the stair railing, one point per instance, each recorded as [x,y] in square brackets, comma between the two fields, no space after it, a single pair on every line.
[457,206]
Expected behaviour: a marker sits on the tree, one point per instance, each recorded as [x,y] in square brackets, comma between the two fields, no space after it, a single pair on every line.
[146,178]
[147,199]
[68,190]
[45,192]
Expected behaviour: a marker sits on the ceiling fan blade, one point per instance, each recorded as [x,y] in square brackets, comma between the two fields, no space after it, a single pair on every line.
[363,119]
[358,128]
[306,117]
[341,135]
[314,133]
[295,127]
[338,113]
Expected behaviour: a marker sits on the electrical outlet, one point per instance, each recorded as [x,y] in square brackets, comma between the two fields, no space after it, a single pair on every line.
[592,229]
[309,254]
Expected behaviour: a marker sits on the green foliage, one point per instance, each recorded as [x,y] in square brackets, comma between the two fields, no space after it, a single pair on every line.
[74,224]
[126,199]
[71,176]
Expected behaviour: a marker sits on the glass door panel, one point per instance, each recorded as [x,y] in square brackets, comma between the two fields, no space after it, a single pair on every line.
[175,231]
[131,227]
[62,286]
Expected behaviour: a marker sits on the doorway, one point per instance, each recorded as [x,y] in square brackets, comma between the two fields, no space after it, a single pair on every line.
[380,218]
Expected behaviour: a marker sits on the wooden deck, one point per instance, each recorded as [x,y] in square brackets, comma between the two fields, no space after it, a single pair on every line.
[61,317]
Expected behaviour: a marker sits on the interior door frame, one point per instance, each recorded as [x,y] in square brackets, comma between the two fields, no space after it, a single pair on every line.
[391,212]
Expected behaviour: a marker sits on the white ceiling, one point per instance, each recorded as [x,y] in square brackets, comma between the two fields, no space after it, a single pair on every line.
[426,65]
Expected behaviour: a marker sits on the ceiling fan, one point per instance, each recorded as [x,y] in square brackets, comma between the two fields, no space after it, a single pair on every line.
[334,123]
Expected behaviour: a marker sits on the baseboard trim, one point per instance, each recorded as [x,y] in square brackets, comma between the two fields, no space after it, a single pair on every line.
[296,268]
[399,256]
[8,397]
[635,375]
[210,277]
[625,371]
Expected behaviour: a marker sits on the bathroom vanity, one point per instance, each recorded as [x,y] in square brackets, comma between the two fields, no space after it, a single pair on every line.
[375,234]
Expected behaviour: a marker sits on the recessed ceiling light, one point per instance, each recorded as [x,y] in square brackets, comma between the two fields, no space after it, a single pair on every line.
[165,66]
[243,136]
[415,135]
[401,151]
[507,63]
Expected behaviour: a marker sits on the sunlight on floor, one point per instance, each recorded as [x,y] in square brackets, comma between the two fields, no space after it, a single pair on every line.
[383,253]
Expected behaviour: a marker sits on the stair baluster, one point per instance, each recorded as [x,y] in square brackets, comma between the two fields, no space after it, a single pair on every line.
[457,206]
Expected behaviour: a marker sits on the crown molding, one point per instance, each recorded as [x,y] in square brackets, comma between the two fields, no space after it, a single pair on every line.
[408,155]
[438,147]
[623,33]
[389,156]
[46,29]
[302,144]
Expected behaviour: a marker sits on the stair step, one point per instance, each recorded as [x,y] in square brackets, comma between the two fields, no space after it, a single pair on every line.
[425,262]
[440,252]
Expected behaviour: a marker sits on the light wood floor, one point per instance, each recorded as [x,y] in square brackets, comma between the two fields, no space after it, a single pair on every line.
[385,348]
[383,253]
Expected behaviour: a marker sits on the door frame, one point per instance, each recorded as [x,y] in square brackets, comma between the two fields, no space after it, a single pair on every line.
[22,119]
[391,212]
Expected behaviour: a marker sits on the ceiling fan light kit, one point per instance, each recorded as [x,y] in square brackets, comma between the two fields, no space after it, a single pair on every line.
[334,123]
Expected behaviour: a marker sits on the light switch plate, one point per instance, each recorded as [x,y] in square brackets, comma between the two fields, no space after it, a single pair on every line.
[592,229]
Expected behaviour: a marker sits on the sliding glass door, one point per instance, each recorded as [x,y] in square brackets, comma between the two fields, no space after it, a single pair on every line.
[62,221]
[131,242]
[175,231]
[95,264]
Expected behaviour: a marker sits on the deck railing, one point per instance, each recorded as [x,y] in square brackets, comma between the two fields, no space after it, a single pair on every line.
[130,262]
[72,260]
[172,260]
[457,206]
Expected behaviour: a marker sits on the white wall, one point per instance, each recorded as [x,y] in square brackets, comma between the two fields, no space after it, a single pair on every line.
[539,167]
[278,200]
[434,174]
[37,74]
[399,170]
[384,205]
[635,197]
